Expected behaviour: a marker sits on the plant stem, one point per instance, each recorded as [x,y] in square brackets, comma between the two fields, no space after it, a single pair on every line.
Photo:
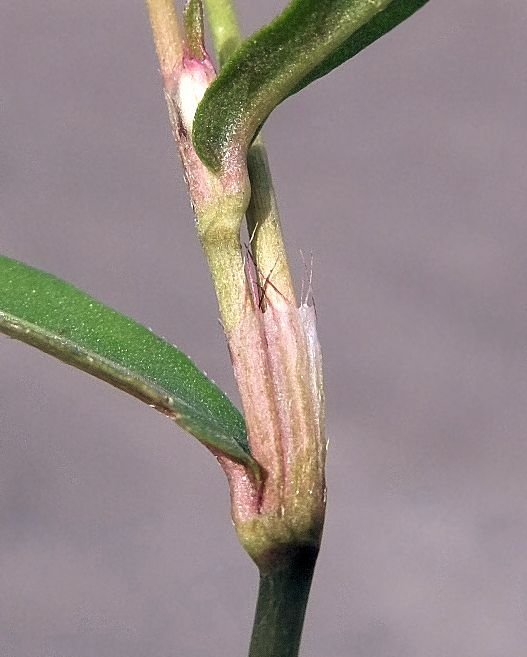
[273,345]
[283,591]
[282,601]
[263,224]
[219,201]
[263,219]
[166,33]
[224,26]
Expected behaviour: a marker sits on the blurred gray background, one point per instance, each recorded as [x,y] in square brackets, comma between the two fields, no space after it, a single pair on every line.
[404,172]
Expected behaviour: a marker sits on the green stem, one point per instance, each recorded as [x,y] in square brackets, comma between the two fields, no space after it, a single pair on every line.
[284,591]
[282,601]
[263,224]
[263,219]
[224,27]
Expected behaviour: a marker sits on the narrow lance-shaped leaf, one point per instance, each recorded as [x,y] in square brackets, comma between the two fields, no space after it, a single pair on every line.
[307,40]
[394,14]
[63,321]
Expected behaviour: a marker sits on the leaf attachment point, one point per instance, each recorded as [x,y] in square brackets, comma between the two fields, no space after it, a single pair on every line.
[307,40]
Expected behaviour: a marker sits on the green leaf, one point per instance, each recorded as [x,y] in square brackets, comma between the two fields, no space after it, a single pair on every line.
[307,40]
[63,321]
[394,14]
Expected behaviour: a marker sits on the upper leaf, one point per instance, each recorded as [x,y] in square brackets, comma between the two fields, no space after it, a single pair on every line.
[63,321]
[382,23]
[307,40]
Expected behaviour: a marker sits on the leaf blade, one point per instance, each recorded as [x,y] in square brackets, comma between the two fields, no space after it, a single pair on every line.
[54,316]
[280,59]
[385,21]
